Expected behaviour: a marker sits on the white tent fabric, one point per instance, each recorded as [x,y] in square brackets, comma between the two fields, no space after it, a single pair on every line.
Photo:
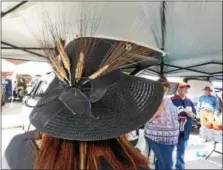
[193,33]
[33,68]
[7,66]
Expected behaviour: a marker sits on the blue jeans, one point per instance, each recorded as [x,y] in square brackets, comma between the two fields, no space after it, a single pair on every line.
[163,153]
[7,95]
[181,147]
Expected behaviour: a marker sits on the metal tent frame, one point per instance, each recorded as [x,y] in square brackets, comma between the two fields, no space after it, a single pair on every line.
[14,47]
[179,68]
[137,68]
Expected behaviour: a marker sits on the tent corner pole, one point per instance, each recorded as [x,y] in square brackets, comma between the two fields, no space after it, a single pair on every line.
[3,14]
[163,32]
[162,68]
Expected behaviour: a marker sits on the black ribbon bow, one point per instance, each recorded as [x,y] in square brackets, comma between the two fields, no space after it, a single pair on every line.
[78,99]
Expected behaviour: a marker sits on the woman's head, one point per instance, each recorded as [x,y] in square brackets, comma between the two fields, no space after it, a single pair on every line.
[118,153]
[165,84]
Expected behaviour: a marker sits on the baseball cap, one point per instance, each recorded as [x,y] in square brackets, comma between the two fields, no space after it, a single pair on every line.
[183,85]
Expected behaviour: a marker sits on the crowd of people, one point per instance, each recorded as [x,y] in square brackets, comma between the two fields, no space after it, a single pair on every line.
[172,124]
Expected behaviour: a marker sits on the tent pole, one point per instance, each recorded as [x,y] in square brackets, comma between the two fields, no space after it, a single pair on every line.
[162,67]
[163,29]
[163,23]
[11,58]
[18,48]
[220,72]
[183,68]
[197,65]
[27,48]
[3,14]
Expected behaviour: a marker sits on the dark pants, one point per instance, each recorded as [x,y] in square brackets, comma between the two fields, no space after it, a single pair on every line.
[7,95]
[15,93]
[181,147]
[163,153]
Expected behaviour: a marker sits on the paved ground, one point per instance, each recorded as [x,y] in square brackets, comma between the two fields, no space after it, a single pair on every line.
[11,115]
[11,118]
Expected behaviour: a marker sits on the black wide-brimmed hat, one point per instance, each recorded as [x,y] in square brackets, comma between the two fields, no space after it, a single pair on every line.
[91,98]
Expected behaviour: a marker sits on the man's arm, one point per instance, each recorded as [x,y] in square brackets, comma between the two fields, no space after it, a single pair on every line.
[191,112]
[216,105]
[193,108]
[199,104]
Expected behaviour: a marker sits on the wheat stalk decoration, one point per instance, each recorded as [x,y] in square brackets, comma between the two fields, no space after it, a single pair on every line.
[79,67]
[122,54]
[64,57]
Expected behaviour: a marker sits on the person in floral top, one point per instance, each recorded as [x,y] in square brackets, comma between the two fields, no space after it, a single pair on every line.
[162,131]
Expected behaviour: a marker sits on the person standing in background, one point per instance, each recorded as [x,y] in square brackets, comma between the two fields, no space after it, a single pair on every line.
[162,131]
[207,107]
[21,85]
[186,111]
[8,88]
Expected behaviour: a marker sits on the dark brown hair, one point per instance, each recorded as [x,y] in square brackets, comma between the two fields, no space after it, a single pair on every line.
[65,154]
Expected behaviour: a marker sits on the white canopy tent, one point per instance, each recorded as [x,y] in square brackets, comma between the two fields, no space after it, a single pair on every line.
[7,66]
[190,32]
[33,68]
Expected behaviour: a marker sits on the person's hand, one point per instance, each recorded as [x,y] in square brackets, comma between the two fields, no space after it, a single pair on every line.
[188,109]
[190,114]
[180,110]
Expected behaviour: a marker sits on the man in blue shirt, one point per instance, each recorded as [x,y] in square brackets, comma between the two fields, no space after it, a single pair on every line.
[186,112]
[8,88]
[207,107]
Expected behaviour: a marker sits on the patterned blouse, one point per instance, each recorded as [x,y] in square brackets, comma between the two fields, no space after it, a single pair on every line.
[163,128]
